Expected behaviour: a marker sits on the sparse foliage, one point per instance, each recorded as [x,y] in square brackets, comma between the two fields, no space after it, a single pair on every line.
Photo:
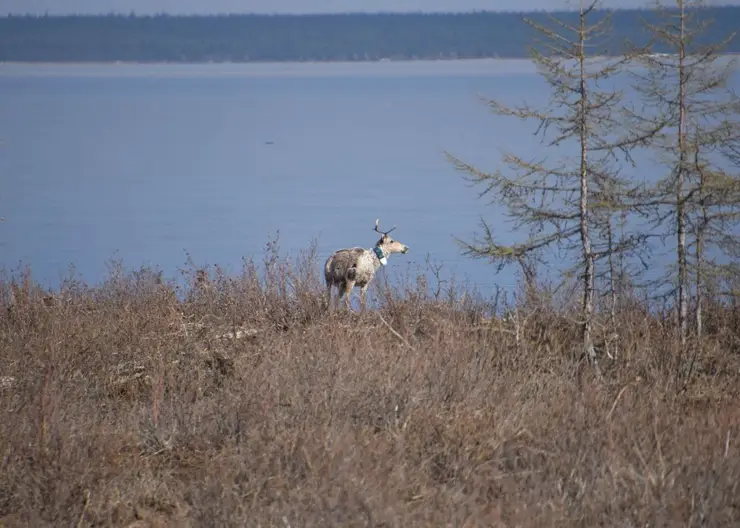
[692,122]
[570,204]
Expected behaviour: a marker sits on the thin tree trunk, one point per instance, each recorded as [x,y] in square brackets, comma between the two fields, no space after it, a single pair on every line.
[700,248]
[680,201]
[588,257]
[699,280]
[622,282]
[612,275]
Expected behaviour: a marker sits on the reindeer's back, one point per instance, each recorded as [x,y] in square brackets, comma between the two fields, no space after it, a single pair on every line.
[338,265]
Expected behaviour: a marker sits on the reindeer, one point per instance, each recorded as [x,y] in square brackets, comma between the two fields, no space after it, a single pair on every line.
[351,267]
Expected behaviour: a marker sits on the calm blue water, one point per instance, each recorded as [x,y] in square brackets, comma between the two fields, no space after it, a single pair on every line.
[146,162]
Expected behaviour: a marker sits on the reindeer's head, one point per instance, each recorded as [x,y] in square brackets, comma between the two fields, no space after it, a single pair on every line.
[387,244]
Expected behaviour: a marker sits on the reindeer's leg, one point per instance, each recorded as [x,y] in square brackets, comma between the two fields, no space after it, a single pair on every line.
[348,286]
[341,290]
[329,291]
[363,297]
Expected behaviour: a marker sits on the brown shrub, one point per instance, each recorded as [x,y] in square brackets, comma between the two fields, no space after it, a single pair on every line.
[240,401]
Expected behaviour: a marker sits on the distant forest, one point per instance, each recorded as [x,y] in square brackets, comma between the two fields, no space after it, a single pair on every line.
[339,37]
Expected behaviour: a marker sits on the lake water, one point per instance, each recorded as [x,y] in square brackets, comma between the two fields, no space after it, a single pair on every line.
[147,162]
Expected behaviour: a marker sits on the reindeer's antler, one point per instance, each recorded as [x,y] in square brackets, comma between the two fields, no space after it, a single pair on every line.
[377,221]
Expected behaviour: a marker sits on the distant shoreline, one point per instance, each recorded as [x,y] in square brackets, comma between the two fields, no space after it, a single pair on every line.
[256,69]
[256,62]
[321,39]
[468,60]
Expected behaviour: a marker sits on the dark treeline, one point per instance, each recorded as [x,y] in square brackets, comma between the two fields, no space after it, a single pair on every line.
[337,37]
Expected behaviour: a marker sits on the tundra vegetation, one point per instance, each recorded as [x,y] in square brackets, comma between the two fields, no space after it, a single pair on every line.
[239,400]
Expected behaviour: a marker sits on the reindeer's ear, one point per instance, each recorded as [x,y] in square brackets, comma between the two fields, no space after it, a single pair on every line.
[377,223]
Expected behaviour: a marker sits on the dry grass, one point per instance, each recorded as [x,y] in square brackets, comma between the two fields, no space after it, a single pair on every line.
[240,401]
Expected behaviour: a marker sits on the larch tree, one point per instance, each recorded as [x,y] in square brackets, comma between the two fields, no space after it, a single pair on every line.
[568,198]
[690,118]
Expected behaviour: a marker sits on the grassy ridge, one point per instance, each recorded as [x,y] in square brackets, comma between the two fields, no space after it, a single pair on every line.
[238,400]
